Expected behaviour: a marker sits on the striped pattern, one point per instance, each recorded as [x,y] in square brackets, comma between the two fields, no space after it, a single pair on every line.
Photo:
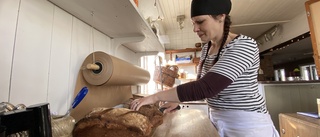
[239,61]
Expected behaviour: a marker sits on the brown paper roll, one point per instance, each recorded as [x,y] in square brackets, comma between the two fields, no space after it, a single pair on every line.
[108,86]
[113,71]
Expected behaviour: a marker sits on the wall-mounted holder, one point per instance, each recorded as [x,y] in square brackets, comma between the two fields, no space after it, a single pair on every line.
[35,119]
[116,42]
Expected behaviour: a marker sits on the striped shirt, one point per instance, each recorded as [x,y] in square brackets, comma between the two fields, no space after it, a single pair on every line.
[239,62]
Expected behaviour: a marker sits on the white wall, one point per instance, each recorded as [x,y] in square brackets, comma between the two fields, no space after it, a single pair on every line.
[181,39]
[8,18]
[42,48]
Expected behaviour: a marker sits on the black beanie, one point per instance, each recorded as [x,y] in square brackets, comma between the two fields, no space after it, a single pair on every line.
[210,7]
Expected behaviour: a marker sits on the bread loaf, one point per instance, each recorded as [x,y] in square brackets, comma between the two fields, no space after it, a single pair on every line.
[119,122]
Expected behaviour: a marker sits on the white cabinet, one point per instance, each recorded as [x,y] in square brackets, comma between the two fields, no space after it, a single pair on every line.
[118,19]
[290,98]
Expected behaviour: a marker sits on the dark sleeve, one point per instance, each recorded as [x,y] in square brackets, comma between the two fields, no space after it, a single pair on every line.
[208,86]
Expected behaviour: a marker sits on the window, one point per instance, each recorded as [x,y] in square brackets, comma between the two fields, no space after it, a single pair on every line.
[150,63]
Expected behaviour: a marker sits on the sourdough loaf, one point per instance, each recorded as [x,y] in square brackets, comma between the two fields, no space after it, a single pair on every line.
[119,122]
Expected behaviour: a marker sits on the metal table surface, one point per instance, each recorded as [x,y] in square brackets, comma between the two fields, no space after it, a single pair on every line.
[186,123]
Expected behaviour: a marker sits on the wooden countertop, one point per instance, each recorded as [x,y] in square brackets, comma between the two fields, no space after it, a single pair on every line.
[186,123]
[303,119]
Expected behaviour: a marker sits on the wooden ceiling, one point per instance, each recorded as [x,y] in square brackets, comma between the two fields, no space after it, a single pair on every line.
[249,17]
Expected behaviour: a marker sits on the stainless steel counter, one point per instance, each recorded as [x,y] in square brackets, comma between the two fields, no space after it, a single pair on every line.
[186,123]
[199,102]
[290,82]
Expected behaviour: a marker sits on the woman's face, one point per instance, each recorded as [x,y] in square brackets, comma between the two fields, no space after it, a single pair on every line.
[207,27]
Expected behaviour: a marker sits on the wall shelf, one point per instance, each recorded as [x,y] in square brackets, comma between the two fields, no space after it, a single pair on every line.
[118,19]
[183,50]
[195,59]
[186,64]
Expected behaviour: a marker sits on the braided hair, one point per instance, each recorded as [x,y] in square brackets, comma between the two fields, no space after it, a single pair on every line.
[226,30]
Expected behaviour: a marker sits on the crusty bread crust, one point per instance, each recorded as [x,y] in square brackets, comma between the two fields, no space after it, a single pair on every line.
[119,122]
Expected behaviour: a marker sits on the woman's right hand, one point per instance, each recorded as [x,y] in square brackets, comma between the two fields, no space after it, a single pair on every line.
[167,95]
[137,103]
[170,107]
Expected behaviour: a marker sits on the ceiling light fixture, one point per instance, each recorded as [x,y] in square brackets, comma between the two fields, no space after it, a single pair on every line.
[180,20]
[160,13]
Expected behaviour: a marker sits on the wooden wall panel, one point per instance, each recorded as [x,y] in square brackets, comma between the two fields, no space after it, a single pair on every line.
[32,52]
[80,49]
[8,21]
[58,84]
[46,46]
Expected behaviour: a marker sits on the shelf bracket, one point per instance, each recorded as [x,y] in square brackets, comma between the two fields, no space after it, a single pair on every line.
[116,42]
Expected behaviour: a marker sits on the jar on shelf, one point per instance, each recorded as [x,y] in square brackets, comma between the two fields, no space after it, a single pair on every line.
[137,2]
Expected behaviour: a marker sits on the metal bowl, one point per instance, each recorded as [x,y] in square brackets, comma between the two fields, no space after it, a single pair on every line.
[9,106]
[21,106]
[197,45]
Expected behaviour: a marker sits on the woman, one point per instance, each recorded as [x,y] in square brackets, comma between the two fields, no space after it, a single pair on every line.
[227,76]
